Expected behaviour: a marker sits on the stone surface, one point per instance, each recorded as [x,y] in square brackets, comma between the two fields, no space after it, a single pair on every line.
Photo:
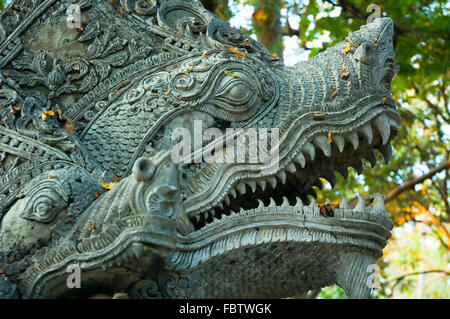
[87,179]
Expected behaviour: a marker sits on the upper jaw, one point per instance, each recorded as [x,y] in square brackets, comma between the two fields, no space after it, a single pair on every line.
[301,165]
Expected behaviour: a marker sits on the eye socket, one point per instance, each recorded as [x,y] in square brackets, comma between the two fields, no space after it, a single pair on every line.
[44,209]
[236,93]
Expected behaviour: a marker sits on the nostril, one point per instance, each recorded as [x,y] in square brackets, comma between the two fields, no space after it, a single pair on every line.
[143,169]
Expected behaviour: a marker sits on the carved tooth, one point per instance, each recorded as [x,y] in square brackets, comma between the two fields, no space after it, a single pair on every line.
[344,204]
[205,215]
[382,125]
[300,158]
[321,141]
[343,171]
[272,203]
[353,138]
[282,176]
[272,181]
[252,186]
[262,184]
[310,150]
[241,188]
[298,204]
[227,200]
[360,205]
[340,142]
[285,202]
[359,167]
[197,218]
[313,203]
[378,202]
[386,151]
[260,204]
[291,168]
[371,158]
[241,210]
[212,212]
[138,249]
[366,130]
[232,192]
[220,205]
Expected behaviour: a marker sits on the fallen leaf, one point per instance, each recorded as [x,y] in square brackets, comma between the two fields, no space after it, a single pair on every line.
[334,93]
[375,42]
[68,126]
[384,100]
[236,52]
[247,43]
[16,109]
[6,75]
[347,49]
[91,226]
[274,57]
[235,75]
[190,69]
[327,210]
[168,91]
[329,137]
[206,53]
[47,114]
[96,195]
[344,73]
[109,186]
[319,116]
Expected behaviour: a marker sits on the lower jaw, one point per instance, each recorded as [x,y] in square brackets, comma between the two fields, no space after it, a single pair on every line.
[277,253]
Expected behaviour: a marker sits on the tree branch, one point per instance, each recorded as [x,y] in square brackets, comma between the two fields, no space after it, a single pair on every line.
[413,182]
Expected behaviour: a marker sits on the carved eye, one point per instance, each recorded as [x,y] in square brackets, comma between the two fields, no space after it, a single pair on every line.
[236,93]
[43,206]
[44,209]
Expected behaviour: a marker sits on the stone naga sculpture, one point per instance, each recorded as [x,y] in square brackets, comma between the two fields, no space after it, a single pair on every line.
[82,108]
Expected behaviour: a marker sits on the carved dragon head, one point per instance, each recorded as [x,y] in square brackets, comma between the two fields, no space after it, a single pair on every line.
[109,96]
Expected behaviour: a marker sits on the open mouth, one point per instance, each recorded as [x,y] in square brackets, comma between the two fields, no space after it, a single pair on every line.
[320,157]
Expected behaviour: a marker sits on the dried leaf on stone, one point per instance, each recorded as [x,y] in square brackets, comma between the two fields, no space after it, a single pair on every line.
[347,49]
[91,226]
[109,186]
[190,69]
[344,74]
[68,126]
[236,52]
[327,210]
[334,93]
[16,109]
[47,114]
[206,53]
[274,57]
[329,137]
[235,75]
